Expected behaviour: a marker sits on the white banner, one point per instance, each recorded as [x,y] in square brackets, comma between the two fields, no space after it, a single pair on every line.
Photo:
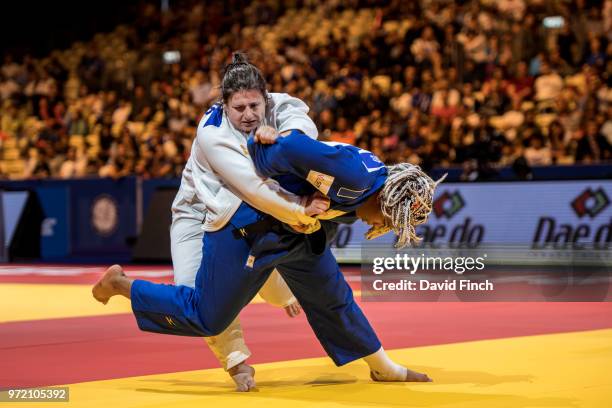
[552,216]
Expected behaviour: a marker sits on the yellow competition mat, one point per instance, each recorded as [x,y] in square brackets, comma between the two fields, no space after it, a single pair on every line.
[19,301]
[559,370]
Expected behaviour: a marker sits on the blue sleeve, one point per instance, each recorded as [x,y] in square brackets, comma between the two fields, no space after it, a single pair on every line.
[299,155]
[268,159]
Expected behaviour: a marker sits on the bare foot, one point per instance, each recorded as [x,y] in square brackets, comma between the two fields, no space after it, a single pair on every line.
[107,285]
[244,377]
[411,376]
[293,309]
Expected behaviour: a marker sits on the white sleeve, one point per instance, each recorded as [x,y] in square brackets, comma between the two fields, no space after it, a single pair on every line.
[238,173]
[292,113]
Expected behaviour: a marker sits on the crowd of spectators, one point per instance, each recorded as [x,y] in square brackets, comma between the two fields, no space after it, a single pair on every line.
[478,84]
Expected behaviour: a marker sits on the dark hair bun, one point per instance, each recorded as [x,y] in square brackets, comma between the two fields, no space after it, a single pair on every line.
[241,75]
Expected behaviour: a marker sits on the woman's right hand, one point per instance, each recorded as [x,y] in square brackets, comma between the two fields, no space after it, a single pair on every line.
[316,204]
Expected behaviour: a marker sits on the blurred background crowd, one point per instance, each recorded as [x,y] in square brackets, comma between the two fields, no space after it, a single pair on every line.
[476,84]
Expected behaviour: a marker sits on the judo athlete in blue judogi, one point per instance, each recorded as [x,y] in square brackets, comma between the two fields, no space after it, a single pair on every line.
[240,256]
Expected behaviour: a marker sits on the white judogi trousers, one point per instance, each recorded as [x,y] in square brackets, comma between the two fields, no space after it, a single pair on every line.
[186,246]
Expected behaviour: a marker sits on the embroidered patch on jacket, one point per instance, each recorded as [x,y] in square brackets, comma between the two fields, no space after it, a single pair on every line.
[321,181]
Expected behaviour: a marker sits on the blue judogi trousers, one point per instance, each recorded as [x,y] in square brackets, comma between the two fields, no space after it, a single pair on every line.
[234,269]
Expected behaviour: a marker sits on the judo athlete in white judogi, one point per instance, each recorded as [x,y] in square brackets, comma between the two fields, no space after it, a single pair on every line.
[191,217]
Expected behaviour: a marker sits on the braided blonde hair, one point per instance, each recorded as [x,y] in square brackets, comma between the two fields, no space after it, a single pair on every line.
[405,201]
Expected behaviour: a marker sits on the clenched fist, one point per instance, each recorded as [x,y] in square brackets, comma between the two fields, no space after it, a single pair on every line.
[266,135]
[316,204]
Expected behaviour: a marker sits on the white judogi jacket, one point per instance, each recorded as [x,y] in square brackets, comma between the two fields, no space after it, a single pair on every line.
[219,174]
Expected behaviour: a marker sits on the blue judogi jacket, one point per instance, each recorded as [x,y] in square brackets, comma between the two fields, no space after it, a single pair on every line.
[346,174]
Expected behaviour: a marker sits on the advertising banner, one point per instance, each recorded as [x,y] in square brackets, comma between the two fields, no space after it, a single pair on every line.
[518,218]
